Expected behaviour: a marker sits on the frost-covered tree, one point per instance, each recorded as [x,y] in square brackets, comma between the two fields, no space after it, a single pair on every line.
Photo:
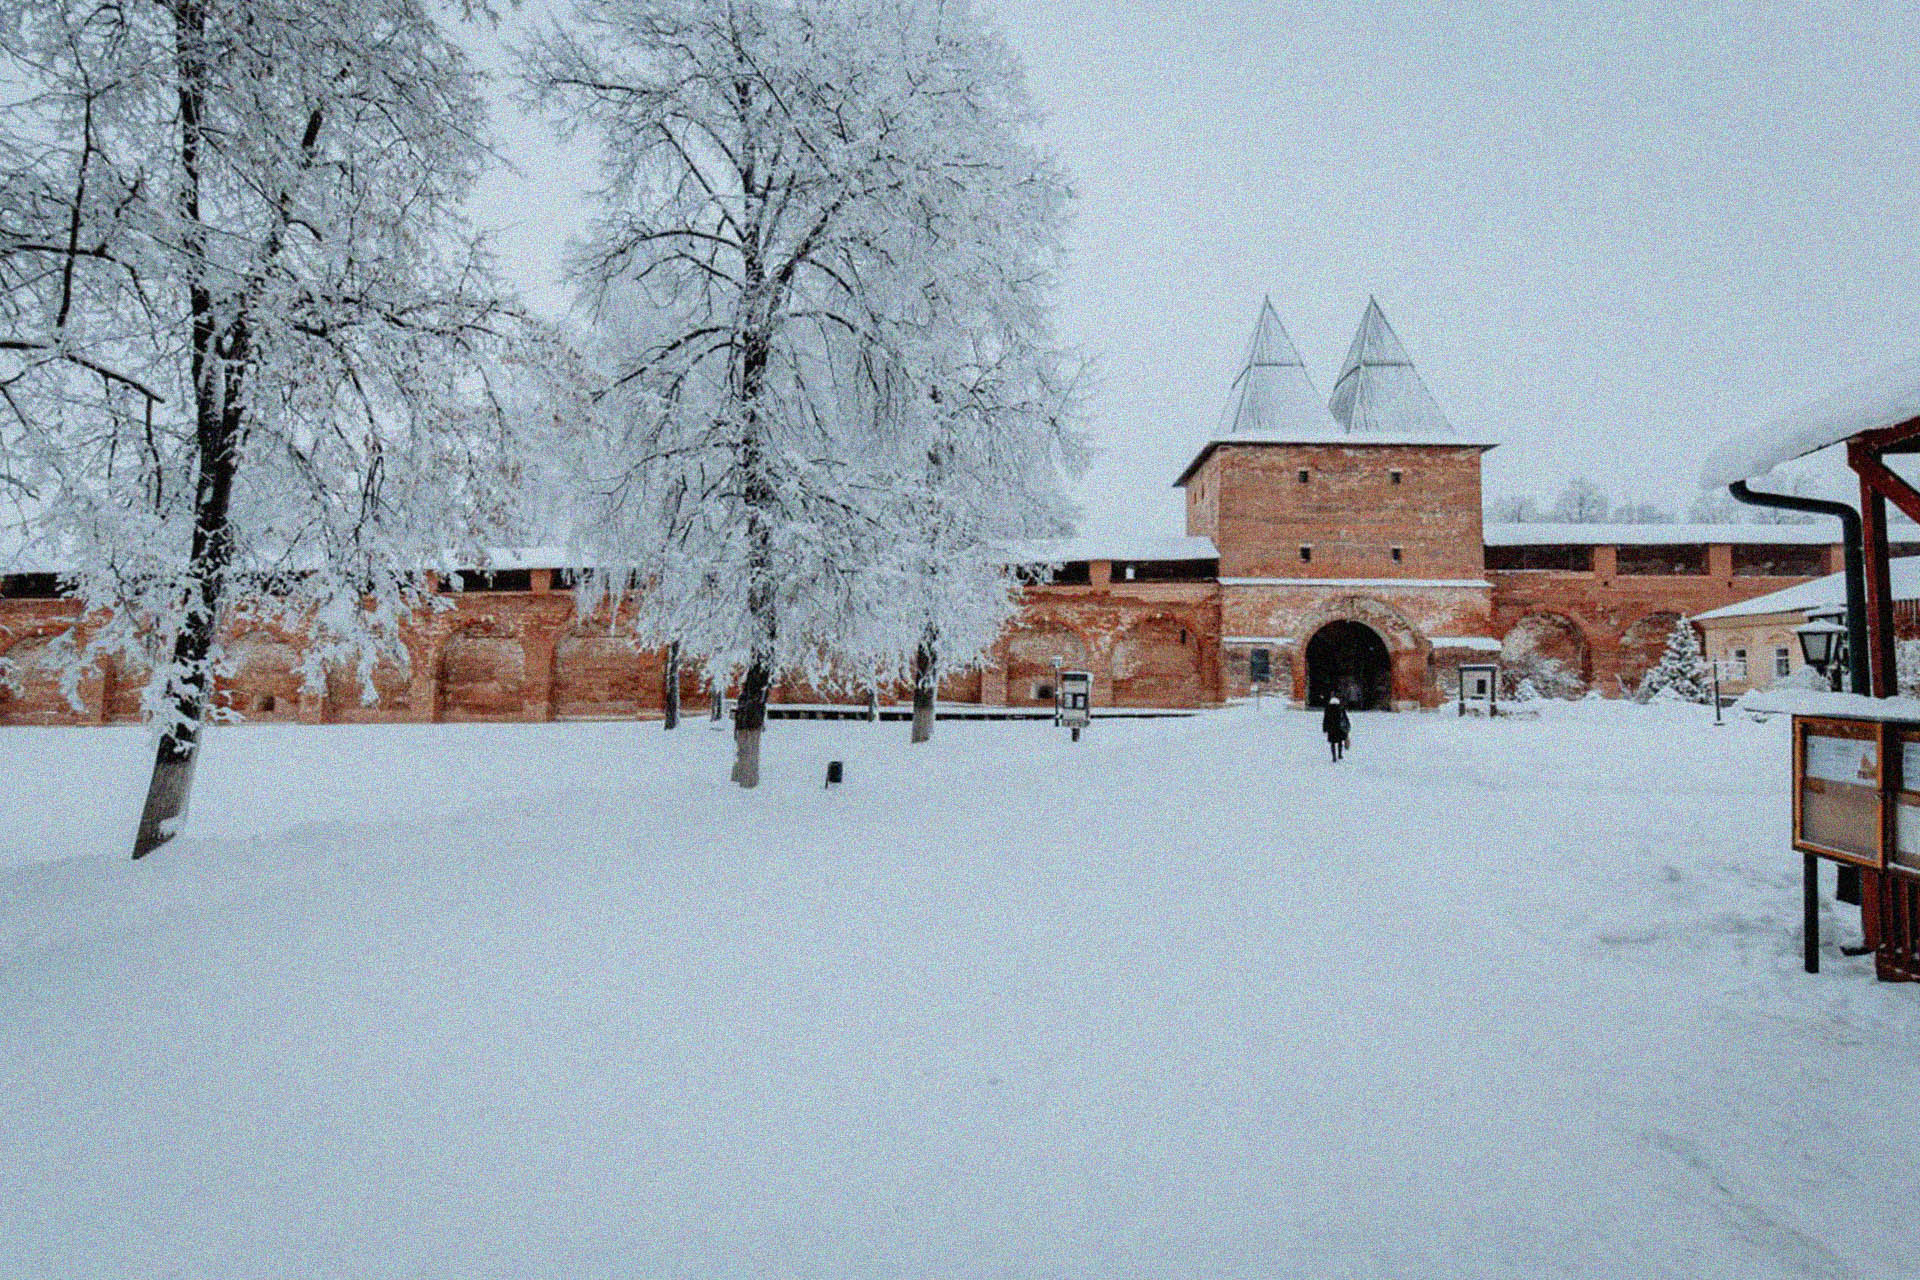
[1514,508]
[1641,513]
[248,345]
[1682,672]
[1581,502]
[819,258]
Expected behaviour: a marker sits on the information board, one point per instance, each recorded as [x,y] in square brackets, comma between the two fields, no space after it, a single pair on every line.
[1906,811]
[1838,811]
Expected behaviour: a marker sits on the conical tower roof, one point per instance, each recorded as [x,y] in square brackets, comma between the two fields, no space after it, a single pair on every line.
[1272,396]
[1378,392]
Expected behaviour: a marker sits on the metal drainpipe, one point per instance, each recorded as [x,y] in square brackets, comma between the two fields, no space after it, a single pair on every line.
[1856,562]
[1852,545]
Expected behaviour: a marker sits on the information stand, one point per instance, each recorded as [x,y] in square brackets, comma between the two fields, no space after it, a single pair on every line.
[1856,802]
[1839,793]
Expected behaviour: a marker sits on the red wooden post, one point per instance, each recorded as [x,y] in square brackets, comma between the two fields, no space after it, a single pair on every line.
[1873,532]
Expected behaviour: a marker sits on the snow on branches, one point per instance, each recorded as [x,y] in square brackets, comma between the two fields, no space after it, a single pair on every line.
[820,273]
[1682,673]
[248,345]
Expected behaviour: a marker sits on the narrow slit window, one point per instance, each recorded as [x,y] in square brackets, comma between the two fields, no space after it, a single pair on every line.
[1306,555]
[1303,475]
[1397,554]
[1393,476]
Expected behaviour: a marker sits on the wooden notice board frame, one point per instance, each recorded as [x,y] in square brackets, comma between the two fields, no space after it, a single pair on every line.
[1863,807]
[1903,792]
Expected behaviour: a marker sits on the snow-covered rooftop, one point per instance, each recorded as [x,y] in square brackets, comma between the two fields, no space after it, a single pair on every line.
[1109,547]
[1379,392]
[1272,394]
[1820,533]
[1378,399]
[1886,398]
[1830,590]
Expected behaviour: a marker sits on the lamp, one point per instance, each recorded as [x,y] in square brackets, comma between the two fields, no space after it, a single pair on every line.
[1823,642]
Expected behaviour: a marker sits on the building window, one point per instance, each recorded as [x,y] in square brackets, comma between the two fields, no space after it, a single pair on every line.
[1259,666]
[1303,475]
[1739,664]
[1782,663]
[1128,571]
[1306,555]
[1396,553]
[1394,476]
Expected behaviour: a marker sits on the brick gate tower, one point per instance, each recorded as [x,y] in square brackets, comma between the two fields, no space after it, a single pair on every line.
[1349,531]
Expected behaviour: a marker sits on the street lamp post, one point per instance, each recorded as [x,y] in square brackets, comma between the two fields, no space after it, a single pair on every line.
[1823,643]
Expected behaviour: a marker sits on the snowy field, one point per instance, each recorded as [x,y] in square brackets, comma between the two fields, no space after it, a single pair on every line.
[1512,999]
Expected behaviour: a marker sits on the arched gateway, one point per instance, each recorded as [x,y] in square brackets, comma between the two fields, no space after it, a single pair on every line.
[1349,660]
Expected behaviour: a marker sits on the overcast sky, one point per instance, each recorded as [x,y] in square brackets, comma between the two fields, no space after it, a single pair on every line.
[1608,234]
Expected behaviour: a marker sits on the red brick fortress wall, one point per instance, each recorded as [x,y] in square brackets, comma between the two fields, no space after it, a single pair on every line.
[1349,511]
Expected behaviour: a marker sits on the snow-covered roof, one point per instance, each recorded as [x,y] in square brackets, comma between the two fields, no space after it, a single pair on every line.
[1109,547]
[549,556]
[1379,392]
[1828,591]
[1378,399]
[1887,398]
[1816,702]
[1272,396]
[1819,533]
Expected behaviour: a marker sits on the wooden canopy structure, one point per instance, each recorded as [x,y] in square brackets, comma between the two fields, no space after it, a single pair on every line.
[1875,420]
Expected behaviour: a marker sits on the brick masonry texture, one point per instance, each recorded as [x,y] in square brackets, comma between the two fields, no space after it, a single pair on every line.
[1148,644]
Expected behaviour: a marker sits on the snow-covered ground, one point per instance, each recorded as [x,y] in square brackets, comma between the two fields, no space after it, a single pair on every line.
[1518,998]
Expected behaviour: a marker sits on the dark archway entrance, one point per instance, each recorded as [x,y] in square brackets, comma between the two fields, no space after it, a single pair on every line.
[1349,660]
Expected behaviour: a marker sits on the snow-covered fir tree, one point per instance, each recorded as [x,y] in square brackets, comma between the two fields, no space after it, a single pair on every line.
[1682,672]
[248,346]
[819,269]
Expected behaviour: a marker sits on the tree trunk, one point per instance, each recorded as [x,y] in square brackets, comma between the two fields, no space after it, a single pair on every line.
[749,720]
[220,360]
[671,693]
[925,685]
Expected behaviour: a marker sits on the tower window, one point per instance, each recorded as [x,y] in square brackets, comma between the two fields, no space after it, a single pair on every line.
[1306,554]
[1394,476]
[1396,553]
[1259,666]
[1303,475]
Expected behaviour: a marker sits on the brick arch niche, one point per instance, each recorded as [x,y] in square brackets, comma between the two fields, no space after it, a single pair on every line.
[599,673]
[483,676]
[1156,663]
[30,692]
[261,680]
[1030,654]
[392,682]
[1550,636]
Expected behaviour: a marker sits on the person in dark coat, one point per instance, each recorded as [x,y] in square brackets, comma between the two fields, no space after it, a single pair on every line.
[1334,723]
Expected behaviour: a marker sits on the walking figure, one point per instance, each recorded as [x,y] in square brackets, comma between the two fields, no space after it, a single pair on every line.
[1334,723]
